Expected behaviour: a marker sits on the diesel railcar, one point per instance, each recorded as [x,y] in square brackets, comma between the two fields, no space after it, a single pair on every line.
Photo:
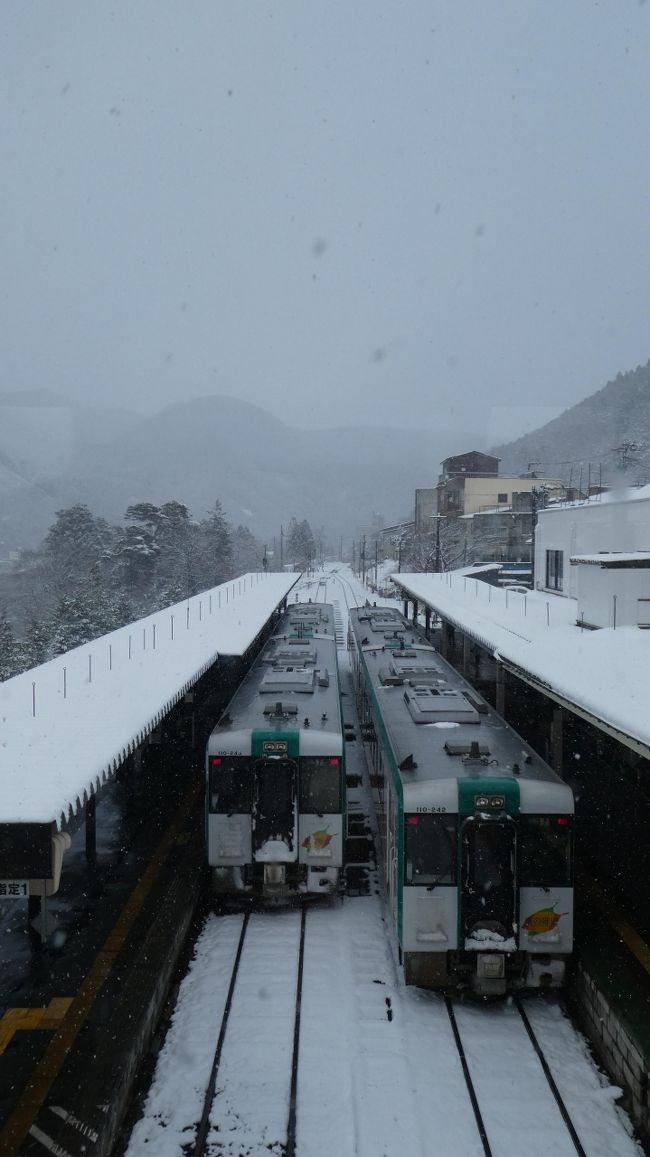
[476,830]
[275,768]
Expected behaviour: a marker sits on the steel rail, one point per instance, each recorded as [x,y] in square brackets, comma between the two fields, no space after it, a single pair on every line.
[564,1112]
[202,1131]
[291,1123]
[468,1079]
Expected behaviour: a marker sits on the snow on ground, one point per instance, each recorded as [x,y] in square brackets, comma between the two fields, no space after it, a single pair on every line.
[367,1084]
[589,1096]
[249,1113]
[67,724]
[606,672]
[379,1072]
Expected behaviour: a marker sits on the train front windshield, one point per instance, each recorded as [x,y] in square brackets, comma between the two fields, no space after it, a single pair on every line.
[230,785]
[545,851]
[430,848]
[320,785]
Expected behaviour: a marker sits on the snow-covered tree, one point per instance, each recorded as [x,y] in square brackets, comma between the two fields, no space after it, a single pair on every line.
[36,645]
[135,557]
[74,548]
[215,549]
[247,553]
[77,620]
[300,548]
[8,648]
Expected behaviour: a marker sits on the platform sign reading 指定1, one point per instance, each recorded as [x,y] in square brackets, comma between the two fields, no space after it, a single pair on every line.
[14,889]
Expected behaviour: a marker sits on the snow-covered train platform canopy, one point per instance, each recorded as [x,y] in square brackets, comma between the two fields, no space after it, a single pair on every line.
[67,725]
[602,675]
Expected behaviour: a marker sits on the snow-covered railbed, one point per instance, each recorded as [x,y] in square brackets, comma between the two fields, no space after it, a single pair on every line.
[372,1079]
[250,1109]
[516,1100]
[378,1068]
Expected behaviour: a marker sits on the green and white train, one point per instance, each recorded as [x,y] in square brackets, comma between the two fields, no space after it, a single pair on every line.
[275,769]
[476,830]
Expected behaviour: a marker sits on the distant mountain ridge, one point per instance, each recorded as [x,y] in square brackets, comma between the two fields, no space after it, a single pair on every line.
[261,469]
[588,441]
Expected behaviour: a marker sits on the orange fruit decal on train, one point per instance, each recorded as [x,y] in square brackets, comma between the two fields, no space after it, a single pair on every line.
[541,921]
[317,841]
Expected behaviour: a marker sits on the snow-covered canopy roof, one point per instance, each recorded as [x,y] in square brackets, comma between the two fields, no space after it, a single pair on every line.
[621,494]
[603,674]
[66,725]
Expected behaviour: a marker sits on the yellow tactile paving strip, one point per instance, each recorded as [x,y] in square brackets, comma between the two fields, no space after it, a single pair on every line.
[46,1071]
[16,1019]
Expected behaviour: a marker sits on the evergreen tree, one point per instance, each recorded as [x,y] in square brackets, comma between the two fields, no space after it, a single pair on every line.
[301,548]
[8,648]
[89,578]
[162,549]
[215,549]
[73,548]
[36,646]
[77,620]
[308,543]
[145,513]
[246,551]
[177,539]
[135,560]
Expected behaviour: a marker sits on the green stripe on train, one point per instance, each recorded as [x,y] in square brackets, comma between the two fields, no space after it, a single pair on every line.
[260,737]
[490,786]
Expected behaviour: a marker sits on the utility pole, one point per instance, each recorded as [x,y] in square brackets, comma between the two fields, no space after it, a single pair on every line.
[624,450]
[376,553]
[281,538]
[537,500]
[438,568]
[363,560]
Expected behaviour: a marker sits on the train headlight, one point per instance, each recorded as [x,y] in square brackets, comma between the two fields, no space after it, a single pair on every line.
[489,802]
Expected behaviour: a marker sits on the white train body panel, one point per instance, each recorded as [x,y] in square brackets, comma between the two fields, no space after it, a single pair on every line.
[430,920]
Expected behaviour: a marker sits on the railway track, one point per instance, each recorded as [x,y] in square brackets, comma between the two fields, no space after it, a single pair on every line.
[256,1054]
[320,595]
[497,1066]
[313,1046]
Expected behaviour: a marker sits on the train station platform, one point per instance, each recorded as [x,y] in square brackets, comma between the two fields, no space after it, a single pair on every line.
[600,675]
[587,691]
[67,726]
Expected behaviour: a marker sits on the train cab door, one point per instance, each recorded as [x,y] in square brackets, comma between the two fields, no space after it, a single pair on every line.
[488,877]
[274,807]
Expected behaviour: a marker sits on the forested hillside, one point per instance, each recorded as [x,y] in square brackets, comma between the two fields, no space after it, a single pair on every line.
[88,577]
[607,433]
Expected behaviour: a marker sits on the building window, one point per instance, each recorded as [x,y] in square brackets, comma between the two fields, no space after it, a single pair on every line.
[502,497]
[554,569]
[643,614]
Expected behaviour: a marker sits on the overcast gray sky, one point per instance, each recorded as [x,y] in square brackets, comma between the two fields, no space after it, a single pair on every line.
[358,210]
